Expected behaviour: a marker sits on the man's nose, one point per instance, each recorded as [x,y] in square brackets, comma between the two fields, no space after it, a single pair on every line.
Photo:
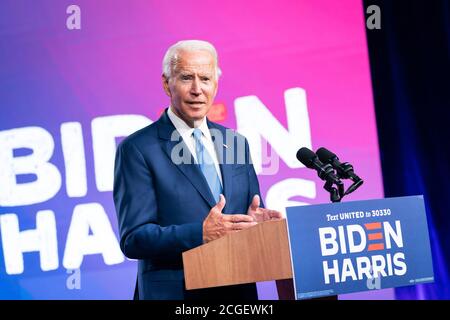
[196,88]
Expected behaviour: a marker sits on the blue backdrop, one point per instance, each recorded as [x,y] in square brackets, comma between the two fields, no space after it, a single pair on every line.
[410,69]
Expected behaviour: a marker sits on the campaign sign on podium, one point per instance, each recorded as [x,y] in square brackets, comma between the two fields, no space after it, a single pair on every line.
[359,246]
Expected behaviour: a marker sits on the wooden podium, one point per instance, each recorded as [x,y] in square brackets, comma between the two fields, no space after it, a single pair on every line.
[260,253]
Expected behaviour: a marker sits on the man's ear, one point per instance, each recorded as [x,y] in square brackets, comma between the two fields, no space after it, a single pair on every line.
[165,82]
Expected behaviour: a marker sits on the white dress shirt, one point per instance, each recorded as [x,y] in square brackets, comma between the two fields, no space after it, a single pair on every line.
[186,133]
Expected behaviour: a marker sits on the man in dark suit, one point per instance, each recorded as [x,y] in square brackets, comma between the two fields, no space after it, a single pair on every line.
[184,181]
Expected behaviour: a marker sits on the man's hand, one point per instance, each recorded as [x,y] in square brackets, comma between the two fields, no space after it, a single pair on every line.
[217,224]
[262,214]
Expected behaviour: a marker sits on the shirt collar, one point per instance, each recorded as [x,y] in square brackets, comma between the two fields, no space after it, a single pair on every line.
[184,129]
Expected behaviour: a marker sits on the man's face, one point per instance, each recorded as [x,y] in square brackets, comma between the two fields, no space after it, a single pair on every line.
[192,85]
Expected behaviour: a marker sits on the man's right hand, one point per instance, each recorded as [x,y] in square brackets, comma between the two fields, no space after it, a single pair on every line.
[217,225]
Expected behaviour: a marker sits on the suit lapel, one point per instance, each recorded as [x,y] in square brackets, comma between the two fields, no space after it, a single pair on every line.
[188,166]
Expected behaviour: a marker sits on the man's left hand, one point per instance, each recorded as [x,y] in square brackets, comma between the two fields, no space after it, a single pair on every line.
[262,214]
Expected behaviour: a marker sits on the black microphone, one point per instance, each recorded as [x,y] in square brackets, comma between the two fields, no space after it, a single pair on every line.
[310,160]
[344,170]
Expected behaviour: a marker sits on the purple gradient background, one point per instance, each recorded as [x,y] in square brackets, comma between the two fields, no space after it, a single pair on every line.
[50,75]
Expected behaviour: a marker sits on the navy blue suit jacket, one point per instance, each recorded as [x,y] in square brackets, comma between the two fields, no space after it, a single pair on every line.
[161,207]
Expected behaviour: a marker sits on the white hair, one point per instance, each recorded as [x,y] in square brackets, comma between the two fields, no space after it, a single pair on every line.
[171,57]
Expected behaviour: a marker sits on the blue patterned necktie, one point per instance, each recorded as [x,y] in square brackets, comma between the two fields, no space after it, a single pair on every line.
[207,165]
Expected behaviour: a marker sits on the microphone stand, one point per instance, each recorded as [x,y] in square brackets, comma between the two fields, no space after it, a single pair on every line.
[336,194]
[345,171]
